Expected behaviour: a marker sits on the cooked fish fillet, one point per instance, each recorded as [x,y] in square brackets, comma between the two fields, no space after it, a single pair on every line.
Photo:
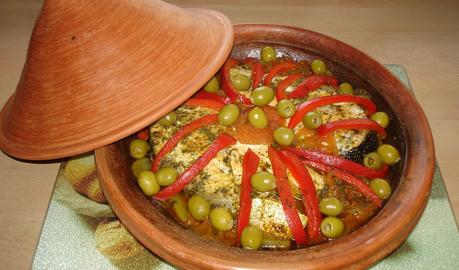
[345,139]
[219,182]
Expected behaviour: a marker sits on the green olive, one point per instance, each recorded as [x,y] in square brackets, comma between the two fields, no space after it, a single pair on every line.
[228,114]
[142,164]
[331,206]
[284,136]
[332,227]
[312,120]
[241,82]
[147,182]
[346,88]
[251,237]
[268,54]
[138,148]
[168,120]
[388,154]
[179,206]
[262,95]
[212,85]
[286,108]
[318,67]
[166,176]
[221,219]
[276,243]
[263,181]
[381,118]
[381,187]
[199,207]
[372,160]
[257,118]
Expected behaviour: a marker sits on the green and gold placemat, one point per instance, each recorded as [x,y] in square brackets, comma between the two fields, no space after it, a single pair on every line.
[81,231]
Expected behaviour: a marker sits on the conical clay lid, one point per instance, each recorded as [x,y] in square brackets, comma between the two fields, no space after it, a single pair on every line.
[98,71]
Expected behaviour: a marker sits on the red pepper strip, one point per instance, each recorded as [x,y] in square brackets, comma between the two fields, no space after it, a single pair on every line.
[277,69]
[203,94]
[249,167]
[280,91]
[222,141]
[341,163]
[308,190]
[207,103]
[143,134]
[227,85]
[286,198]
[184,131]
[361,186]
[312,104]
[357,123]
[257,71]
[312,83]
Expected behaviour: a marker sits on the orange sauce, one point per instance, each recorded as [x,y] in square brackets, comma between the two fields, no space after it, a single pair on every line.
[310,140]
[245,133]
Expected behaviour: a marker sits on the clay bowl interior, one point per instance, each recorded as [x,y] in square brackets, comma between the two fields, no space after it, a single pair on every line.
[411,178]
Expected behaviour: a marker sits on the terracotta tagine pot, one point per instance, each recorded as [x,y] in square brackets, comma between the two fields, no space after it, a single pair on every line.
[409,131]
[98,71]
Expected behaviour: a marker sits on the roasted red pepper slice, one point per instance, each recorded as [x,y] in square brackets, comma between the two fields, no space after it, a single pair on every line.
[308,190]
[286,198]
[227,85]
[312,104]
[277,69]
[312,83]
[257,71]
[249,167]
[346,177]
[341,163]
[206,103]
[357,123]
[143,134]
[222,141]
[184,131]
[203,94]
[280,91]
